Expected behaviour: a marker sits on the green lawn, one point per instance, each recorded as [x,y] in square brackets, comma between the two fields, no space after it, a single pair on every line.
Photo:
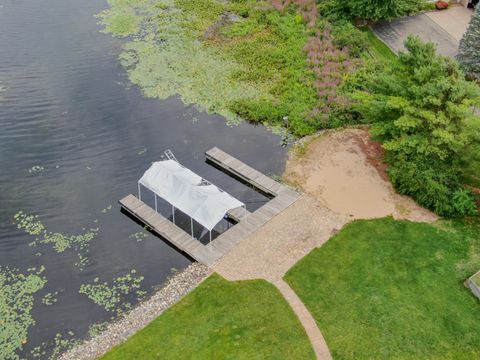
[386,289]
[377,48]
[222,320]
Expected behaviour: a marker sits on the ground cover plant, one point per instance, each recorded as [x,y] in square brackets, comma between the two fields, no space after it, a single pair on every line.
[422,110]
[261,61]
[222,320]
[384,289]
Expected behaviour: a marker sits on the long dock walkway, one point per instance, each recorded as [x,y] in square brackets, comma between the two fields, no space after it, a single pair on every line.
[210,254]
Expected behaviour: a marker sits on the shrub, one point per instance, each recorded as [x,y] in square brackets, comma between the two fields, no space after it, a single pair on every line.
[345,35]
[371,9]
[421,112]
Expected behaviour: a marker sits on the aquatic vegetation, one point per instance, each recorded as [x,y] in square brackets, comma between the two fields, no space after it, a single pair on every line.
[50,298]
[142,151]
[28,223]
[242,60]
[139,236]
[35,169]
[60,242]
[96,328]
[112,297]
[108,208]
[16,303]
[61,344]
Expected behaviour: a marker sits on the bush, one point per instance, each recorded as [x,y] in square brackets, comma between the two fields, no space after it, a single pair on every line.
[434,186]
[345,35]
[420,107]
[373,10]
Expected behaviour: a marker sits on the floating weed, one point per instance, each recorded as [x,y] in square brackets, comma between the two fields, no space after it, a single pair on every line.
[36,169]
[139,236]
[108,208]
[61,343]
[28,223]
[142,151]
[50,298]
[97,328]
[112,297]
[166,57]
[60,242]
[16,303]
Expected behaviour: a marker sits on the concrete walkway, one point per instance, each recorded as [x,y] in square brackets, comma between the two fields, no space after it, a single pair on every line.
[445,28]
[277,246]
[454,21]
[316,338]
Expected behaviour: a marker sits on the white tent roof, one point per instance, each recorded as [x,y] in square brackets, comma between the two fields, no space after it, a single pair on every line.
[188,192]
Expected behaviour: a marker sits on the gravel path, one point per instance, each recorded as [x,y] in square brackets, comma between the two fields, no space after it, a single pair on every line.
[174,290]
[276,247]
[280,243]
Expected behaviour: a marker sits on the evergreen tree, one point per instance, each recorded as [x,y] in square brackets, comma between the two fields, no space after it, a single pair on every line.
[469,51]
[420,110]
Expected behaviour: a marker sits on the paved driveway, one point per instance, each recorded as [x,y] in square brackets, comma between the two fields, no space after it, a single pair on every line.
[445,28]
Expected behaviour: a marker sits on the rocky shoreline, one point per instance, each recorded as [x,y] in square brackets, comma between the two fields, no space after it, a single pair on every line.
[175,289]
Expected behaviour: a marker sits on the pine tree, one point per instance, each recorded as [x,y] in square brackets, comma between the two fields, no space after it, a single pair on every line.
[469,51]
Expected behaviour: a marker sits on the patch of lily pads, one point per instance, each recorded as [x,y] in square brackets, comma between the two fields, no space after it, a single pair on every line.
[16,302]
[60,242]
[113,296]
[227,57]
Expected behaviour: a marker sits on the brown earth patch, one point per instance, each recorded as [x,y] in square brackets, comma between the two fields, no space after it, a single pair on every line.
[344,170]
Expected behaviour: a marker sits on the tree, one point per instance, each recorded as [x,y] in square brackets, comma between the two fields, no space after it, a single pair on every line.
[420,108]
[469,50]
[376,9]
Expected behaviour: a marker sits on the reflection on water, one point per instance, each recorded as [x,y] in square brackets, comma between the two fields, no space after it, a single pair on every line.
[73,140]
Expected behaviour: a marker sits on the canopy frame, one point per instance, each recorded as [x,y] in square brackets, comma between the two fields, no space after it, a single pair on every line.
[203,182]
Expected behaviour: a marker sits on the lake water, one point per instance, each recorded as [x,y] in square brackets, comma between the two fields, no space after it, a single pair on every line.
[69,113]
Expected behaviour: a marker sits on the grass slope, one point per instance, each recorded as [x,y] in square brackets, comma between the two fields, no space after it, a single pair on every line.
[222,320]
[386,289]
[377,49]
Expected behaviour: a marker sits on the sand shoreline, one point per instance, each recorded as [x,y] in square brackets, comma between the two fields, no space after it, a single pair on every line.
[344,170]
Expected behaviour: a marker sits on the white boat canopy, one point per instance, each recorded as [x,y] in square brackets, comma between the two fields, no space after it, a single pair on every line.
[188,192]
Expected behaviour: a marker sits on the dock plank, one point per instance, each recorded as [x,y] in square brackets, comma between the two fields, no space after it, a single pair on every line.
[210,253]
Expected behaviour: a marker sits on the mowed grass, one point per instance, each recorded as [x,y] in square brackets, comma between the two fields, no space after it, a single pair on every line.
[386,289]
[222,320]
[377,49]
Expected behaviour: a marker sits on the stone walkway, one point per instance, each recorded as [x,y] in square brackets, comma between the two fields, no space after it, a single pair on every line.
[277,246]
[313,332]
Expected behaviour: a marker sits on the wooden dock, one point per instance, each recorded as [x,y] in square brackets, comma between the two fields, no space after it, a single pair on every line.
[209,254]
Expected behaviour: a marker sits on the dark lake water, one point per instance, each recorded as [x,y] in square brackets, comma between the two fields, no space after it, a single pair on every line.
[68,109]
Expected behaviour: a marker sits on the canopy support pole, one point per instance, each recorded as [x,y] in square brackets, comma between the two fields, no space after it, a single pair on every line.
[155,202]
[191,226]
[173,214]
[210,243]
[139,193]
